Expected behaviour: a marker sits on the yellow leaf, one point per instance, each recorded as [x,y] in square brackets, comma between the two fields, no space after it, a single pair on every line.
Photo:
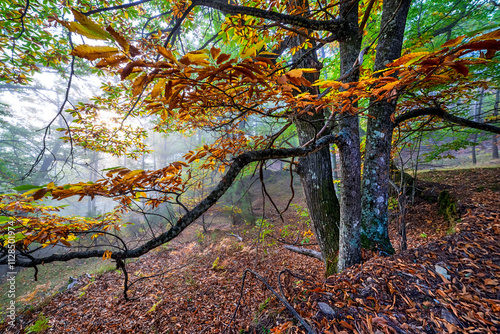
[249,52]
[133,173]
[153,308]
[158,87]
[51,186]
[215,265]
[196,58]
[81,30]
[93,52]
[141,194]
[167,54]
[266,53]
[107,255]
[308,70]
[90,25]
[408,58]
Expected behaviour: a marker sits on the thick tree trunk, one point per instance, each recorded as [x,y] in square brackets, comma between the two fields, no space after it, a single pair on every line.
[376,176]
[315,171]
[349,149]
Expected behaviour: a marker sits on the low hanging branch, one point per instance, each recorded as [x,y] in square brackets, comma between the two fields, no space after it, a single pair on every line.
[237,165]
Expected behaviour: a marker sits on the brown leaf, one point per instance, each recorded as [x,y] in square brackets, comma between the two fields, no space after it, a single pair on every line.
[40,193]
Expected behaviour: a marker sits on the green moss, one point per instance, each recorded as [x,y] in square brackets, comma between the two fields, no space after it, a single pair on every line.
[331,266]
[447,206]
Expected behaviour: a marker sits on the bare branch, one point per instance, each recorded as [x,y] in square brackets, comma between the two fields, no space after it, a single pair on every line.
[333,26]
[107,9]
[436,111]
[305,251]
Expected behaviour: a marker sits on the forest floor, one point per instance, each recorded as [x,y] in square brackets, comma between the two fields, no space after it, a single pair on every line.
[448,281]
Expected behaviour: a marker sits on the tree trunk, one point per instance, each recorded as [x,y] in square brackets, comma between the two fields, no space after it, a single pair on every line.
[477,116]
[494,145]
[376,174]
[349,149]
[315,171]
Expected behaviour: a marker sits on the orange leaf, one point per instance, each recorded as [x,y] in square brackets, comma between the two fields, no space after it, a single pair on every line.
[167,54]
[94,52]
[222,58]
[453,42]
[214,52]
[488,36]
[139,84]
[296,73]
[111,61]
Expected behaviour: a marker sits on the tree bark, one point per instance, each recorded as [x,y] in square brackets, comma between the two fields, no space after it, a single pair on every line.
[349,148]
[376,176]
[315,171]
[477,115]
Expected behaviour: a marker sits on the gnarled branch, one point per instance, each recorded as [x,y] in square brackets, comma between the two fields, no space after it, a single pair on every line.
[237,165]
[435,111]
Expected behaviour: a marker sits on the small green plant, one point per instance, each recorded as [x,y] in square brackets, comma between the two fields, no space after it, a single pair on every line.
[41,324]
[285,231]
[423,235]
[265,228]
[200,236]
[153,308]
[306,237]
[264,305]
[303,213]
[393,204]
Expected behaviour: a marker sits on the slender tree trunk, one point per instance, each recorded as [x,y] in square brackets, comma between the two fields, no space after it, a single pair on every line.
[379,135]
[477,116]
[349,149]
[494,139]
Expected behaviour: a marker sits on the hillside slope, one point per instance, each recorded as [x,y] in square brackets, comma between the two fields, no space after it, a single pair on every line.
[442,284]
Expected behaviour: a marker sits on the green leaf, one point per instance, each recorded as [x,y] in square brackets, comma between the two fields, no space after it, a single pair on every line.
[26,187]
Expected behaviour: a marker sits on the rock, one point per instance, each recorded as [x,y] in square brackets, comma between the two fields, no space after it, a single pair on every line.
[442,271]
[326,310]
[448,316]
